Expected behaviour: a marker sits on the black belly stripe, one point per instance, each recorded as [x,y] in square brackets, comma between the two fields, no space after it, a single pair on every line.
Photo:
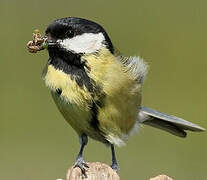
[94,119]
[95,110]
[72,65]
[59,91]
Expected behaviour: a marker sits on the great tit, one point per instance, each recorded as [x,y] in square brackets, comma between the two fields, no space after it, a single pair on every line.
[98,90]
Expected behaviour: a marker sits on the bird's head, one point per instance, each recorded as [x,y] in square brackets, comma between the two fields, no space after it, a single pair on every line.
[76,36]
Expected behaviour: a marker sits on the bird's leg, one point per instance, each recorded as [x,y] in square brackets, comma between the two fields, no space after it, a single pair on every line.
[114,165]
[79,160]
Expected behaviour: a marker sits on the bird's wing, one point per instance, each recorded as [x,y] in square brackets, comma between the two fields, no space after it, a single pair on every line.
[169,123]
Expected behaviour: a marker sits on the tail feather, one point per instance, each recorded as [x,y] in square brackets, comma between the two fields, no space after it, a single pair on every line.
[171,124]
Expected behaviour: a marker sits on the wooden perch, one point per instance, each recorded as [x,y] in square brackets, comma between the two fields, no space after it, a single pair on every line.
[100,171]
[161,177]
[96,171]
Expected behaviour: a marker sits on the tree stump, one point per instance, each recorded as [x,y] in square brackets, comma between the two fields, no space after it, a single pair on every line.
[100,171]
[96,171]
[161,177]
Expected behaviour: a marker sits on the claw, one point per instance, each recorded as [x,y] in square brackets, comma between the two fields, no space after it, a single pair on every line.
[115,167]
[82,165]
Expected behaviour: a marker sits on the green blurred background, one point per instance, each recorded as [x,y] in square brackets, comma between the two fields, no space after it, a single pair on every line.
[35,141]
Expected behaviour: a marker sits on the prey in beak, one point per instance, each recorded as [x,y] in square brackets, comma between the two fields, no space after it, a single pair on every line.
[40,42]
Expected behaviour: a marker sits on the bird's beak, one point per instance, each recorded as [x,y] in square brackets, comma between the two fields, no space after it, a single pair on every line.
[51,42]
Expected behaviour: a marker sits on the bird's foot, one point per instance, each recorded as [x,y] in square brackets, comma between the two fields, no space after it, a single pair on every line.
[115,167]
[82,165]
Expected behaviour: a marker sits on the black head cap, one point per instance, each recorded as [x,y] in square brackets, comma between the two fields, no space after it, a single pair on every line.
[72,26]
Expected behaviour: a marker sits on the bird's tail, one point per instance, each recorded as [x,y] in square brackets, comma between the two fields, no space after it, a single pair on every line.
[171,124]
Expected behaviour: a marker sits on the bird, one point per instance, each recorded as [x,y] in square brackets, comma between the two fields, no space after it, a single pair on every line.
[97,89]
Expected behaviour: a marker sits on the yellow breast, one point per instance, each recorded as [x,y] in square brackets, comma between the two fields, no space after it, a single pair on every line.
[73,101]
[120,98]
[71,92]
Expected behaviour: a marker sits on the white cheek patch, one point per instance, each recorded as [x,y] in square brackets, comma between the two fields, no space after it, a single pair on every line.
[85,43]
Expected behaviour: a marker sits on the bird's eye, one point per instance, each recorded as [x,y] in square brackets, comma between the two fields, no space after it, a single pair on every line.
[70,33]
